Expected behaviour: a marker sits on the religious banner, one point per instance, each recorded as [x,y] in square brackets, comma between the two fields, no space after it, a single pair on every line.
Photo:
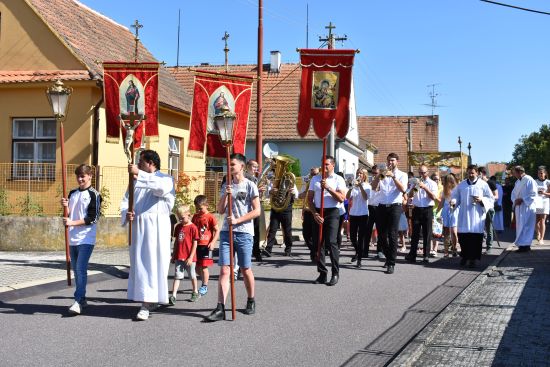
[325,91]
[131,101]
[448,159]
[213,93]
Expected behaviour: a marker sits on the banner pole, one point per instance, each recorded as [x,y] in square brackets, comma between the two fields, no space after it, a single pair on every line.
[322,208]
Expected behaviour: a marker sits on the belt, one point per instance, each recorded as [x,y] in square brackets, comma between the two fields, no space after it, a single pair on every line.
[424,207]
[389,205]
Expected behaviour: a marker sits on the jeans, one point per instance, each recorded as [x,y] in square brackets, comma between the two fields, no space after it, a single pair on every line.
[80,256]
[242,245]
[489,228]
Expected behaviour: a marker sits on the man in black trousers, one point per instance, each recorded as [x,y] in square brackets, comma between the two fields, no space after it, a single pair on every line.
[307,215]
[391,184]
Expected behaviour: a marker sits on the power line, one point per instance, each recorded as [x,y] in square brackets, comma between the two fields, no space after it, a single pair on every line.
[515,7]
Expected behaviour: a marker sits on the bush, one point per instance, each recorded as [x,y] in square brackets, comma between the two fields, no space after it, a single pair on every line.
[29,207]
[5,207]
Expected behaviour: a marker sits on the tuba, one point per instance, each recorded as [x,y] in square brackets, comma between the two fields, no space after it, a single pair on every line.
[282,180]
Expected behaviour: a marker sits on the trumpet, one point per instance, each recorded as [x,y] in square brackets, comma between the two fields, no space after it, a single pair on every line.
[383,169]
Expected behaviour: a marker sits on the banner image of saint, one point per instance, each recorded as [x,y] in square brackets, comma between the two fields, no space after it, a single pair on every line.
[219,101]
[130,100]
[324,90]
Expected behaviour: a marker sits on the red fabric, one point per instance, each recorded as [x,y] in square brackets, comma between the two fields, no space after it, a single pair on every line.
[323,60]
[185,235]
[205,223]
[207,88]
[145,77]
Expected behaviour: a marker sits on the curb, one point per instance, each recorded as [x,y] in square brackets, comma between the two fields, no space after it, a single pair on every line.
[414,348]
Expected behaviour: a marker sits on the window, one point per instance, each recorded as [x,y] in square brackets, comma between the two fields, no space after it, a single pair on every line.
[174,145]
[34,141]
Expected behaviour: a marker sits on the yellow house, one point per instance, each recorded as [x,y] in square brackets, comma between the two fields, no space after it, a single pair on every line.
[45,40]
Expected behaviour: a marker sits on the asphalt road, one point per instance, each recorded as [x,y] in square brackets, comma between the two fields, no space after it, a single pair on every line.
[365,319]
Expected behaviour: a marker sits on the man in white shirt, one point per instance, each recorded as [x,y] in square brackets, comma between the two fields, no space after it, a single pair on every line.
[523,197]
[374,200]
[334,190]
[422,216]
[391,185]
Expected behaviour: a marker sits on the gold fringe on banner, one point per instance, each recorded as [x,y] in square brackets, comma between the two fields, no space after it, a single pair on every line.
[112,140]
[195,154]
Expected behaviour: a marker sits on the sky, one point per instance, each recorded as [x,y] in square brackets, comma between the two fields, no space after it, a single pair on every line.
[490,64]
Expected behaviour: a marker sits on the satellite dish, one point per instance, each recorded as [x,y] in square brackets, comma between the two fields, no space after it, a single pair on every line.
[270,150]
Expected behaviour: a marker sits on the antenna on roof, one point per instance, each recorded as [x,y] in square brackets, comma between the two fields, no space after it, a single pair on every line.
[137,26]
[226,50]
[178,55]
[433,96]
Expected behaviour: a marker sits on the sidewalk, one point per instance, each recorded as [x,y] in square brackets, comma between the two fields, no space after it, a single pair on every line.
[501,319]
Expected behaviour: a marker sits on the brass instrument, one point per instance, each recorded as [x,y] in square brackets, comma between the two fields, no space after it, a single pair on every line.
[282,182]
[383,169]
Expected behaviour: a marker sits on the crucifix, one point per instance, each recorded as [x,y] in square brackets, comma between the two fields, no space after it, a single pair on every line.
[137,26]
[226,50]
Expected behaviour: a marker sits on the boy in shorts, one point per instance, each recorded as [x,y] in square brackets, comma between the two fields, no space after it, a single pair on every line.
[184,254]
[209,233]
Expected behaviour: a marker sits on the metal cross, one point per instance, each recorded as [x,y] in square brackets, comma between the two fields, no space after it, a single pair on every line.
[137,26]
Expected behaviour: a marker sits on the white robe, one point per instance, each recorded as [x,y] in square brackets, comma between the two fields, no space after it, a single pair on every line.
[471,217]
[525,213]
[154,198]
[498,221]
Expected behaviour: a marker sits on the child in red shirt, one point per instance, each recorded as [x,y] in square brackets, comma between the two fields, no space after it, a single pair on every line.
[209,233]
[184,252]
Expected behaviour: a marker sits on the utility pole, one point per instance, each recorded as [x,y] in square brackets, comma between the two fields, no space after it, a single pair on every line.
[259,90]
[409,121]
[226,50]
[330,45]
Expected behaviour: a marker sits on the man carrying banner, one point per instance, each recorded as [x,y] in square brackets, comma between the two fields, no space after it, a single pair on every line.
[154,197]
[333,187]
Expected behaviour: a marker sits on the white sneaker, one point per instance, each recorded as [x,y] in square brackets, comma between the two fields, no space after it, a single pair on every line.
[541,242]
[75,308]
[143,314]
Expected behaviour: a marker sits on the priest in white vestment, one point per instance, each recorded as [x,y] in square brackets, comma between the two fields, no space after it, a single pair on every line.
[154,197]
[523,199]
[474,197]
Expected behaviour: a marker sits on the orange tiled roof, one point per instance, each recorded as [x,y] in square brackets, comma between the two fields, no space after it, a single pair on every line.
[93,38]
[280,97]
[19,76]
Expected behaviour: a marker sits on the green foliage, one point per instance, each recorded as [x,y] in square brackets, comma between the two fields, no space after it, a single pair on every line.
[5,207]
[186,190]
[29,207]
[105,200]
[533,150]
[294,167]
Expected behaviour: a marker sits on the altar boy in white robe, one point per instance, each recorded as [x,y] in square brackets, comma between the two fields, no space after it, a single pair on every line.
[474,198]
[525,211]
[154,197]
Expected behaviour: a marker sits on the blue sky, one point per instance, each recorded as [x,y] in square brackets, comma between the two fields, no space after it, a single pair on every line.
[491,64]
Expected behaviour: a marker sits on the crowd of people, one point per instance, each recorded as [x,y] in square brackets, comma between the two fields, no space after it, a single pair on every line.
[383,208]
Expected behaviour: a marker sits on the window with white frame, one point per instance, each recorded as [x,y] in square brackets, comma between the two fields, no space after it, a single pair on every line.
[34,141]
[174,145]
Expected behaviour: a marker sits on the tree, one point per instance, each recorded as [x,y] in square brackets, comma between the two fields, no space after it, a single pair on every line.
[533,150]
[295,166]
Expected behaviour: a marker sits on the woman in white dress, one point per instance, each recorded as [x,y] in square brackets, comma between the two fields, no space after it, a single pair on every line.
[543,203]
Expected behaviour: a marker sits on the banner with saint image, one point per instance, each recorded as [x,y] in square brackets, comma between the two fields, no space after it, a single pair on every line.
[131,101]
[325,91]
[213,93]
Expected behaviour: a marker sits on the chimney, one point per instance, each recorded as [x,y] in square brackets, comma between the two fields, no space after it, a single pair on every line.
[275,66]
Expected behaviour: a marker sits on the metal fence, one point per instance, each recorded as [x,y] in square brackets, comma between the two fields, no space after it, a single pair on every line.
[35,189]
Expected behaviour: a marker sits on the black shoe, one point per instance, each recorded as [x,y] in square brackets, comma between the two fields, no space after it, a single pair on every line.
[287,253]
[266,253]
[385,265]
[217,315]
[523,249]
[250,307]
[472,264]
[258,258]
[426,259]
[463,261]
[333,280]
[321,279]
[390,269]
[353,258]
[410,259]
[358,265]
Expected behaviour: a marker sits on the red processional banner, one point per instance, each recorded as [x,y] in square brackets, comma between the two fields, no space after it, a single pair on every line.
[325,91]
[131,101]
[212,93]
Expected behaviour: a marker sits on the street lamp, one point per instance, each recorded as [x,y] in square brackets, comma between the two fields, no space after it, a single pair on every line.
[469,153]
[461,165]
[58,96]
[224,123]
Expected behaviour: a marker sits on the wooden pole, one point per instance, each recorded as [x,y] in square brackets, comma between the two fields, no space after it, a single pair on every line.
[322,208]
[65,208]
[130,195]
[231,257]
